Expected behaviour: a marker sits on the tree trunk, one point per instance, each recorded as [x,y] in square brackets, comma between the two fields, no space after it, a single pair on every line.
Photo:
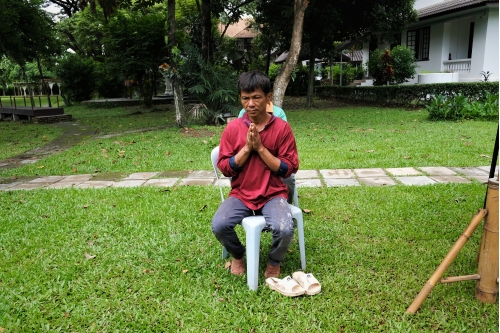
[310,85]
[268,56]
[206,32]
[32,100]
[180,114]
[44,87]
[283,77]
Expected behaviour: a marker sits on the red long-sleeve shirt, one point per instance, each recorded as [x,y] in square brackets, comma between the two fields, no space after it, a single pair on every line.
[255,183]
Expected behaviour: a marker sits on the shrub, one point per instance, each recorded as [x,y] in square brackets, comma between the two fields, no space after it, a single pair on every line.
[78,78]
[393,67]
[213,85]
[459,107]
[408,95]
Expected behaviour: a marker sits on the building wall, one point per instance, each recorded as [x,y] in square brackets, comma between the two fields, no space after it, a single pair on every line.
[485,47]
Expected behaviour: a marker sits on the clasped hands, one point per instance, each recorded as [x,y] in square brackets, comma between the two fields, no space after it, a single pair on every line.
[253,139]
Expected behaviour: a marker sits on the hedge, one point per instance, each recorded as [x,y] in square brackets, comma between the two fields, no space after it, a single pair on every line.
[408,95]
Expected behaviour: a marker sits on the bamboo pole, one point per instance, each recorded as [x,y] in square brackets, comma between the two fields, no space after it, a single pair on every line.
[452,254]
[452,279]
[487,286]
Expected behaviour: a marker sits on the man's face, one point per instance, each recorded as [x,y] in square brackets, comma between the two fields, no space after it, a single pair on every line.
[255,102]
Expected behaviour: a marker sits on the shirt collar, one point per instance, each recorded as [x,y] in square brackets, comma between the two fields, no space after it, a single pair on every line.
[247,122]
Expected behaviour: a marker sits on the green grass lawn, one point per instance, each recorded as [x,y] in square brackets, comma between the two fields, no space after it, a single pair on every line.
[26,101]
[17,137]
[346,137]
[158,268]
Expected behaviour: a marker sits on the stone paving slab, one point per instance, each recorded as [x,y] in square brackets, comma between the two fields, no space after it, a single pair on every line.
[7,186]
[161,182]
[47,179]
[487,169]
[64,184]
[377,181]
[29,186]
[481,179]
[305,174]
[129,183]
[416,180]
[339,182]
[371,172]
[438,171]
[308,183]
[95,184]
[196,181]
[403,171]
[3,164]
[141,176]
[337,173]
[450,179]
[471,171]
[29,161]
[201,174]
[77,178]
[223,182]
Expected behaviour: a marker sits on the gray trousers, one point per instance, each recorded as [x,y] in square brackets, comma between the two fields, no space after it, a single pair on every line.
[278,218]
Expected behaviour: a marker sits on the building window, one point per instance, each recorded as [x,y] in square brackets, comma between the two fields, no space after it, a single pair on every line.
[418,40]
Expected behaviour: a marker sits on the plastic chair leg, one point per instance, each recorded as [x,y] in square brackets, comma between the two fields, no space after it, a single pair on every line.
[297,215]
[224,253]
[253,227]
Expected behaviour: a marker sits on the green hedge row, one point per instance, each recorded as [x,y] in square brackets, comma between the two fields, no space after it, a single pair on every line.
[408,95]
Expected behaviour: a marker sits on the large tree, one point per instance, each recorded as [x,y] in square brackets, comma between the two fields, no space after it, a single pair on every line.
[25,33]
[283,77]
[180,117]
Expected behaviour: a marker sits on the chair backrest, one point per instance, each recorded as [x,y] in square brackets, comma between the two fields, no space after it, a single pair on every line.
[215,156]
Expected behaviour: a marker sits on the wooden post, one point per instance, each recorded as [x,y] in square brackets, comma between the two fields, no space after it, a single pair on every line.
[452,254]
[487,286]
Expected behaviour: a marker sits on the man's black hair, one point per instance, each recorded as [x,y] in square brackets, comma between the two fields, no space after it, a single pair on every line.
[250,81]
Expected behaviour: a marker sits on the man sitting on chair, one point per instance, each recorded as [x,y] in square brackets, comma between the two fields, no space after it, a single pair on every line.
[256,150]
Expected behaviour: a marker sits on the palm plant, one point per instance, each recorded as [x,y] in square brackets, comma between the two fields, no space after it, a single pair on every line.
[213,84]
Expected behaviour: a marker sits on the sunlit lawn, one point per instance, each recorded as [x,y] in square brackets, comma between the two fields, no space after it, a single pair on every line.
[56,100]
[348,137]
[154,265]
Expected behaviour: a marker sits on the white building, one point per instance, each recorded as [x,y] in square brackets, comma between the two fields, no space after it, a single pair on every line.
[459,36]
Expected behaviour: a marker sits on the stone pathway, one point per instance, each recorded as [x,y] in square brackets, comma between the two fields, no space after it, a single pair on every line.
[304,178]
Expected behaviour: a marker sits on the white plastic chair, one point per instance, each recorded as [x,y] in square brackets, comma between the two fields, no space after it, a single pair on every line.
[254,225]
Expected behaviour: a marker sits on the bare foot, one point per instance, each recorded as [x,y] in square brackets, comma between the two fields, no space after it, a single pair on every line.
[272,271]
[238,266]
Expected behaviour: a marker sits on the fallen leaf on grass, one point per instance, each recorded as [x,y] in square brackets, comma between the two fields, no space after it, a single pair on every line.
[41,167]
[205,141]
[185,271]
[74,170]
[2,329]
[86,206]
[90,243]
[88,256]
[486,156]
[167,153]
[202,208]
[406,157]
[227,265]
[370,151]
[66,315]
[468,143]
[116,142]
[220,299]
[145,271]
[307,211]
